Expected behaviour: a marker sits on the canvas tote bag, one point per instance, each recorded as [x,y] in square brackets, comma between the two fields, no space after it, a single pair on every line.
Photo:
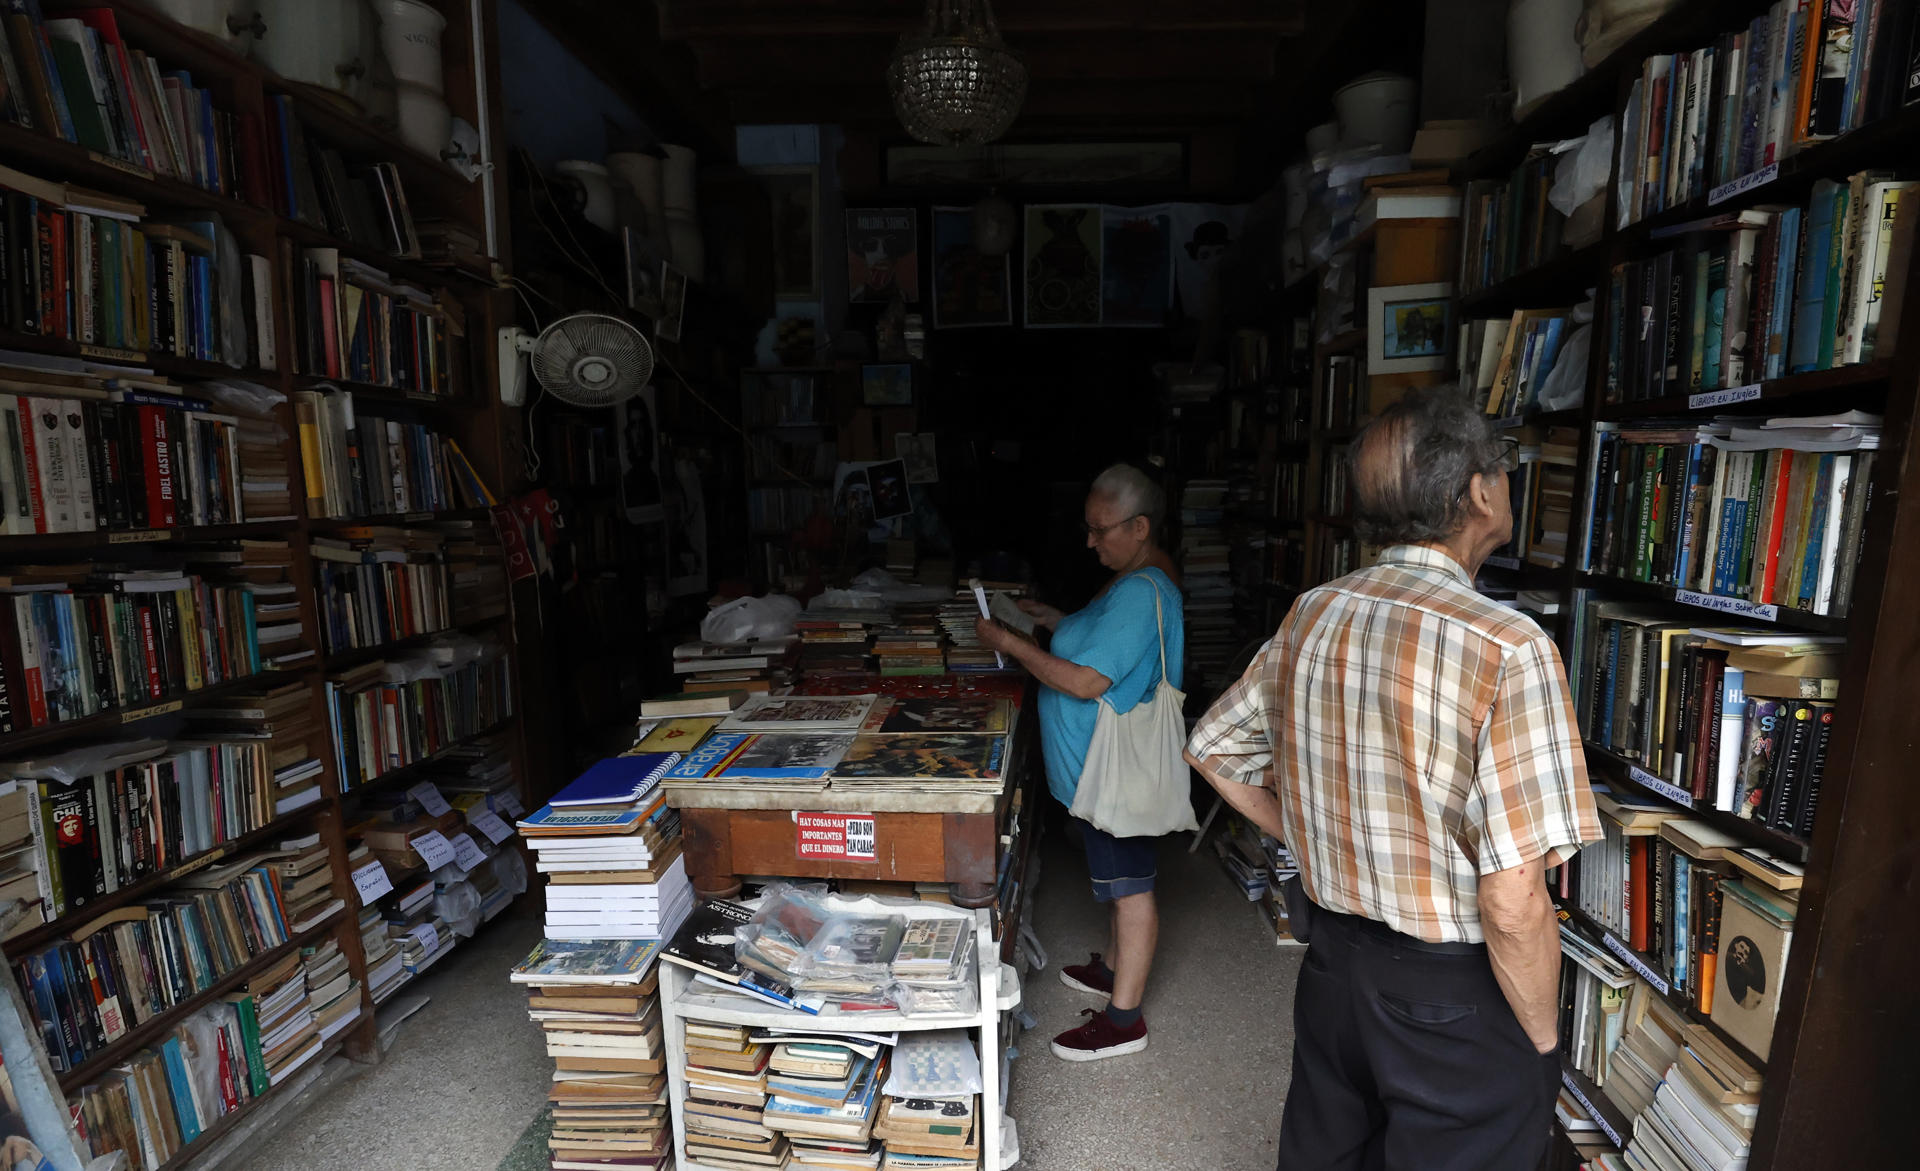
[1134,783]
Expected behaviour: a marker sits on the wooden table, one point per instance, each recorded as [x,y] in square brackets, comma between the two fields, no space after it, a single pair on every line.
[919,837]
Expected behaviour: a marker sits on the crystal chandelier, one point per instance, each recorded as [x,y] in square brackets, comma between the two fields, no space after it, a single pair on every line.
[955,84]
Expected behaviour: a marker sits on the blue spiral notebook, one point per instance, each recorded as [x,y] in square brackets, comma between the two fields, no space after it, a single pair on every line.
[618,780]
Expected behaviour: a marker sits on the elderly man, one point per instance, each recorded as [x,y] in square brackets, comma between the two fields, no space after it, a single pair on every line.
[1414,745]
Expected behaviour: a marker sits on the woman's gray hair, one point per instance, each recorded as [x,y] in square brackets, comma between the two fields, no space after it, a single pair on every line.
[1134,491]
[1413,462]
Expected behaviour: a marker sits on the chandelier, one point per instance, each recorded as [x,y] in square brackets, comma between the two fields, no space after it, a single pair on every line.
[955,84]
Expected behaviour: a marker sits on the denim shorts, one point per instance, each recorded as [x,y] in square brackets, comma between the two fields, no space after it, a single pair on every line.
[1120,866]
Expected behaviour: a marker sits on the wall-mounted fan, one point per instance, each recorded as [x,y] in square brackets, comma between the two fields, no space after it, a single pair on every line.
[584,360]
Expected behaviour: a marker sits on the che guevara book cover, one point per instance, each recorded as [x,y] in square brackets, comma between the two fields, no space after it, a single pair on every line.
[955,715]
[768,756]
[923,755]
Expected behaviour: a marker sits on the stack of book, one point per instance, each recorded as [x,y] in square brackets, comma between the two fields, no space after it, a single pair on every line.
[476,571]
[610,848]
[386,717]
[838,640]
[20,854]
[779,743]
[357,464]
[333,995]
[151,806]
[1769,511]
[910,648]
[1794,75]
[385,969]
[126,967]
[305,872]
[1541,490]
[727,1099]
[966,653]
[741,666]
[1243,858]
[284,1012]
[449,244]
[377,585]
[597,1002]
[281,719]
[266,471]
[415,925]
[79,639]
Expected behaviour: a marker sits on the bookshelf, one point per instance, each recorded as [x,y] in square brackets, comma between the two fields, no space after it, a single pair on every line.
[1836,1037]
[435,395]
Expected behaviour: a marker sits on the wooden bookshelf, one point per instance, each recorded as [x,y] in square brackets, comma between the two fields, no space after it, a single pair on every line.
[1839,1043]
[470,414]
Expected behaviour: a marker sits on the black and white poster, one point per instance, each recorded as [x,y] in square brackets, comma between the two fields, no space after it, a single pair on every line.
[640,495]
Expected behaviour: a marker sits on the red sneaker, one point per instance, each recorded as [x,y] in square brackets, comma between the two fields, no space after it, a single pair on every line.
[1091,976]
[1098,1038]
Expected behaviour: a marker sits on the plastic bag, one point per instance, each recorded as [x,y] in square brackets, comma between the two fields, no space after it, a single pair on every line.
[459,904]
[243,397]
[789,916]
[743,618]
[1566,386]
[1583,168]
[937,1063]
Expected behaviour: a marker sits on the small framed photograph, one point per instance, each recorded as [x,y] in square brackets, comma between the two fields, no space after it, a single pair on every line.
[1409,328]
[673,303]
[645,267]
[891,496]
[887,384]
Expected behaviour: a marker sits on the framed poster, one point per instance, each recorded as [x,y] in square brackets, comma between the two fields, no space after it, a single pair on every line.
[1062,265]
[916,449]
[888,384]
[794,193]
[639,445]
[968,289]
[1409,328]
[891,496]
[883,254]
[1136,265]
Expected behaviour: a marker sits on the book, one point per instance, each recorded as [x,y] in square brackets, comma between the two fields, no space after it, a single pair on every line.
[617,780]
[916,756]
[762,756]
[705,940]
[570,962]
[955,715]
[815,714]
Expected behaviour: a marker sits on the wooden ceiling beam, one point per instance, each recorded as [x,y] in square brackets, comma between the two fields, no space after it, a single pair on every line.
[714,19]
[1098,57]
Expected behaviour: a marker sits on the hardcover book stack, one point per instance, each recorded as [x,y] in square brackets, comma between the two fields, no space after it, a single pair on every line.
[780,743]
[610,848]
[742,666]
[281,720]
[389,714]
[378,585]
[79,639]
[333,995]
[139,961]
[1769,511]
[911,647]
[106,817]
[288,1038]
[358,464]
[1739,719]
[110,275]
[1794,75]
[597,1001]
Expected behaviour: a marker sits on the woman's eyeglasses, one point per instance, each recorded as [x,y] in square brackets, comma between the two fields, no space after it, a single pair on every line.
[1100,531]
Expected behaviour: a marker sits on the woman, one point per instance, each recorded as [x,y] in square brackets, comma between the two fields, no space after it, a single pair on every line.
[1111,649]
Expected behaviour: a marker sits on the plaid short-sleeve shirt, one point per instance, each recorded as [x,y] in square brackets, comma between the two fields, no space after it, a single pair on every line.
[1418,736]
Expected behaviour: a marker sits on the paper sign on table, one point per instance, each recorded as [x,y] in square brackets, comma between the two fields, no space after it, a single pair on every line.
[512,805]
[428,937]
[436,850]
[428,795]
[488,822]
[466,854]
[371,881]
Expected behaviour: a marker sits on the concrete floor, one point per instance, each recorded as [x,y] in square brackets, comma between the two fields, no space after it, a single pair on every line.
[468,1073]
[1205,1095]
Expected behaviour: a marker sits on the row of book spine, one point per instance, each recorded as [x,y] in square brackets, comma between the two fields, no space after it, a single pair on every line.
[1795,75]
[1507,225]
[87,993]
[363,465]
[68,653]
[117,826]
[1774,527]
[353,322]
[383,725]
[1765,292]
[133,461]
[372,605]
[309,181]
[1541,490]
[1507,362]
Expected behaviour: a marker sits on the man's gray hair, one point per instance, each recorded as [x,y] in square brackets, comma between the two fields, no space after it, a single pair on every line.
[1412,465]
[1136,494]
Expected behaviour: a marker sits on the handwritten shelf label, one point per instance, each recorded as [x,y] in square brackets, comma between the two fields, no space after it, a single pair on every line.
[139,537]
[1580,1096]
[1723,397]
[1746,182]
[467,854]
[428,795]
[146,713]
[1637,964]
[371,882]
[846,836]
[1665,788]
[429,939]
[512,805]
[488,822]
[436,850]
[1738,607]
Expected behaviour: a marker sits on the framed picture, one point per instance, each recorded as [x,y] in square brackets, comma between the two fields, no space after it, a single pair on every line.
[891,496]
[644,268]
[673,303]
[794,193]
[1063,265]
[1409,328]
[968,289]
[883,254]
[887,385]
